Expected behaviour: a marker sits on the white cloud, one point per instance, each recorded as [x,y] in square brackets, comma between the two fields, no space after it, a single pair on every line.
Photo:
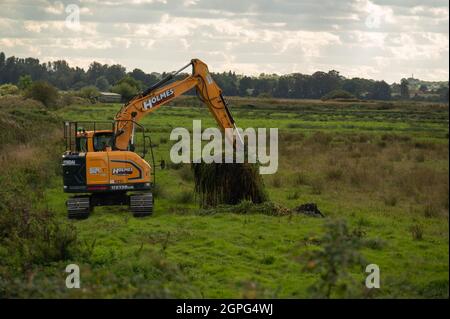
[55,8]
[383,39]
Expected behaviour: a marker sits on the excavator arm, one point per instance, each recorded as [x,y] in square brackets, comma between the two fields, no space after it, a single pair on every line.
[161,93]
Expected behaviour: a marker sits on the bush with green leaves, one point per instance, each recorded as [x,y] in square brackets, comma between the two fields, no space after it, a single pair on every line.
[8,89]
[89,92]
[102,83]
[125,90]
[338,94]
[25,82]
[44,92]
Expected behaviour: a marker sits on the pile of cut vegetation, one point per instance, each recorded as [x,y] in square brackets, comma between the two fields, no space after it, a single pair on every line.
[228,183]
[246,207]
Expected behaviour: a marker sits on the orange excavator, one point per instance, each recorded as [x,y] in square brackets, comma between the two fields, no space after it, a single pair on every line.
[101,166]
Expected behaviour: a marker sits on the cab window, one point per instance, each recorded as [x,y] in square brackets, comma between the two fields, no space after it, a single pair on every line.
[101,141]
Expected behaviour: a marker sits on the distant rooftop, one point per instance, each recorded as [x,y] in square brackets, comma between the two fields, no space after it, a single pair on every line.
[109,94]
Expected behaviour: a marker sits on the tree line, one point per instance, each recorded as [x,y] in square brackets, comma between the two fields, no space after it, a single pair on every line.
[115,78]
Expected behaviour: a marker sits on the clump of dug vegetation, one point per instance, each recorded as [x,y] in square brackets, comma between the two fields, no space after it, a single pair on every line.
[228,183]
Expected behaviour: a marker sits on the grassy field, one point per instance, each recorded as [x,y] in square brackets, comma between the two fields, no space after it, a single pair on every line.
[382,168]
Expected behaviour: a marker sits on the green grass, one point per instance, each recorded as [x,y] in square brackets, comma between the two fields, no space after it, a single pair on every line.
[381,167]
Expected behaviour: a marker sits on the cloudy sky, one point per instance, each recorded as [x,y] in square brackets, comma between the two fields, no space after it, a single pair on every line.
[379,39]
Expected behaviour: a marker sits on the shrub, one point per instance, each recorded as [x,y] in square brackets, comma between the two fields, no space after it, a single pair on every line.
[25,82]
[89,92]
[338,94]
[69,98]
[8,89]
[43,92]
[127,87]
[338,254]
[102,83]
[37,237]
[125,90]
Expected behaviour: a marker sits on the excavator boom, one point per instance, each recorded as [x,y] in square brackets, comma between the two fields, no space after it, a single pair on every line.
[160,94]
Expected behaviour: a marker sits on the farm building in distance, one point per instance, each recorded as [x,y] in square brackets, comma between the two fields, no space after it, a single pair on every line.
[108,97]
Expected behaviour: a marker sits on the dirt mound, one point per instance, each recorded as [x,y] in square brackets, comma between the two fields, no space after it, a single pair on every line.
[309,209]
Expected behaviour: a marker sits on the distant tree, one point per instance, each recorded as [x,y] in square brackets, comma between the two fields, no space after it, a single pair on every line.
[89,92]
[423,88]
[138,75]
[404,89]
[245,85]
[79,85]
[95,71]
[60,74]
[282,87]
[337,94]
[126,90]
[131,81]
[146,79]
[227,81]
[357,86]
[114,73]
[44,92]
[264,85]
[102,83]
[25,82]
[443,93]
[301,86]
[2,66]
[2,60]
[380,90]
[395,88]
[322,83]
[295,85]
